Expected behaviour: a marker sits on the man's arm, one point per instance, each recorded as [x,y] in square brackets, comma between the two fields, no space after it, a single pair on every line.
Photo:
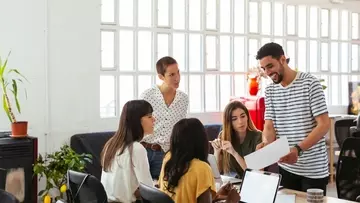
[269,134]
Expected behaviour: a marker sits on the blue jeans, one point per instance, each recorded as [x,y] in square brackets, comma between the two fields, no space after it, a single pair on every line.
[155,162]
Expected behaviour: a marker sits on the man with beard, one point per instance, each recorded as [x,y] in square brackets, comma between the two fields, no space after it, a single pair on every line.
[296,108]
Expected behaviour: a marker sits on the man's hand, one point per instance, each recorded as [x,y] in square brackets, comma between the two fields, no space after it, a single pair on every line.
[291,157]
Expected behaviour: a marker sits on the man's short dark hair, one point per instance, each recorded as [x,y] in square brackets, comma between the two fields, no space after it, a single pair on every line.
[163,63]
[270,49]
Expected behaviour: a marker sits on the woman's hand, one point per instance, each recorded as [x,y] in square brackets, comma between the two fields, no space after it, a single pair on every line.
[233,196]
[216,144]
[227,146]
[223,192]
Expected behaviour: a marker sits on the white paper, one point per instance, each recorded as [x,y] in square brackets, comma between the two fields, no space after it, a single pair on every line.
[268,155]
[285,198]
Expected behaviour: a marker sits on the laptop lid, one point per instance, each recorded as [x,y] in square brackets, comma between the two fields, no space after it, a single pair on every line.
[255,181]
[214,166]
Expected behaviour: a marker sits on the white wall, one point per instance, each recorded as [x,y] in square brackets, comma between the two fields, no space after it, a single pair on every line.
[56,44]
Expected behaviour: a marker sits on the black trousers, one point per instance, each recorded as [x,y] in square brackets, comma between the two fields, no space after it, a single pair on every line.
[301,183]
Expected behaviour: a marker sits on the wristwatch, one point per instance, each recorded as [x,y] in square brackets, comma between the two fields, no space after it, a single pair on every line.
[300,151]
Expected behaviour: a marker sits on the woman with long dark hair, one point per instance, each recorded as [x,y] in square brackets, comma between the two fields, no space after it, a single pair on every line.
[238,138]
[124,159]
[186,174]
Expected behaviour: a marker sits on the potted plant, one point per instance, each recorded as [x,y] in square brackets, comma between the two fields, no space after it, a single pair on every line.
[54,168]
[9,80]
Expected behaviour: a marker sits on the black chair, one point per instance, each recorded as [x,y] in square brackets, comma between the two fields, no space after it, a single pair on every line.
[6,197]
[342,129]
[84,188]
[348,170]
[153,195]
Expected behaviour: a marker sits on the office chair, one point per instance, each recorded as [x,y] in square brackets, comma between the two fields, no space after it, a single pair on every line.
[84,188]
[6,197]
[342,129]
[152,195]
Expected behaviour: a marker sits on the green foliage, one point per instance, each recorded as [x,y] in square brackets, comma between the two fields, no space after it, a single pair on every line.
[9,81]
[55,166]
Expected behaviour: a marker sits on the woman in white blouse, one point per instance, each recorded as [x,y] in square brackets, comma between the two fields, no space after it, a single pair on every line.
[124,159]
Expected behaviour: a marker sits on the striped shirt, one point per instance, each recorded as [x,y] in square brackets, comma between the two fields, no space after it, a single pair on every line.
[293,110]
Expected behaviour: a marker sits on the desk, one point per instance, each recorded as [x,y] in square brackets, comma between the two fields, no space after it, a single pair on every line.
[301,197]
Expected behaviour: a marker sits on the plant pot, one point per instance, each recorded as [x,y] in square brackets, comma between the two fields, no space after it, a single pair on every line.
[253,86]
[19,129]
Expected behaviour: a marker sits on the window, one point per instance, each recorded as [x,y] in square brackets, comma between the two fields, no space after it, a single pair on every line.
[215,43]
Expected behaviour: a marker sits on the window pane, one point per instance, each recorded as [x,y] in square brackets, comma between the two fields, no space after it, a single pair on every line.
[335,90]
[126,50]
[279,19]
[302,55]
[355,57]
[279,41]
[265,41]
[266,18]
[225,53]
[107,96]
[239,16]
[334,24]
[162,12]
[334,57]
[194,14]
[182,84]
[302,21]
[225,11]
[290,49]
[107,49]
[225,90]
[324,23]
[195,93]
[211,52]
[126,8]
[162,45]
[107,11]
[239,54]
[239,84]
[210,93]
[290,20]
[344,25]
[253,48]
[178,14]
[144,51]
[144,83]
[126,89]
[355,25]
[211,14]
[195,52]
[344,57]
[179,49]
[344,91]
[313,22]
[313,56]
[144,13]
[324,56]
[253,17]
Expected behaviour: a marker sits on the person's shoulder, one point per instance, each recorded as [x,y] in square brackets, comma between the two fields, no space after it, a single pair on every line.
[201,166]
[307,77]
[149,92]
[138,148]
[182,94]
[255,134]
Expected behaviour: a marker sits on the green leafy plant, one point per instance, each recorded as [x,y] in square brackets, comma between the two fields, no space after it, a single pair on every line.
[54,167]
[323,86]
[9,80]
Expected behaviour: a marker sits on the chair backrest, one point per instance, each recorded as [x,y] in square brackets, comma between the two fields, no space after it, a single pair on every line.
[342,129]
[84,187]
[348,170]
[153,195]
[6,197]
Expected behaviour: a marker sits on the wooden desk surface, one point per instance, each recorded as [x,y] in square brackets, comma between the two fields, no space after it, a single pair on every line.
[301,197]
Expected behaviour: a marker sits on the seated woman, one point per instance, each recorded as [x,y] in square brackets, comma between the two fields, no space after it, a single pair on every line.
[238,138]
[186,176]
[124,159]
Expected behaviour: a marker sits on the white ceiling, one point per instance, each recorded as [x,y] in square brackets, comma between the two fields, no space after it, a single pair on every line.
[352,5]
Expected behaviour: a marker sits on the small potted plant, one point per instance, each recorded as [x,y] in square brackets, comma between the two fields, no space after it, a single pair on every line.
[54,168]
[9,80]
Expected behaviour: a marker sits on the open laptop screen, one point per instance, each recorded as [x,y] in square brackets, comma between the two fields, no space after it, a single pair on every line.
[259,186]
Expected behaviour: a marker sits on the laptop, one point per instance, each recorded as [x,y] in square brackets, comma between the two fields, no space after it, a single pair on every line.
[220,178]
[254,181]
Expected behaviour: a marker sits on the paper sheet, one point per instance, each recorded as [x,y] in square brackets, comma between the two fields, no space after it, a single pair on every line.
[268,155]
[285,198]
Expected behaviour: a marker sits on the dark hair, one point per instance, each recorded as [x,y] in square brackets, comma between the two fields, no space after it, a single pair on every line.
[188,141]
[270,49]
[163,63]
[129,131]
